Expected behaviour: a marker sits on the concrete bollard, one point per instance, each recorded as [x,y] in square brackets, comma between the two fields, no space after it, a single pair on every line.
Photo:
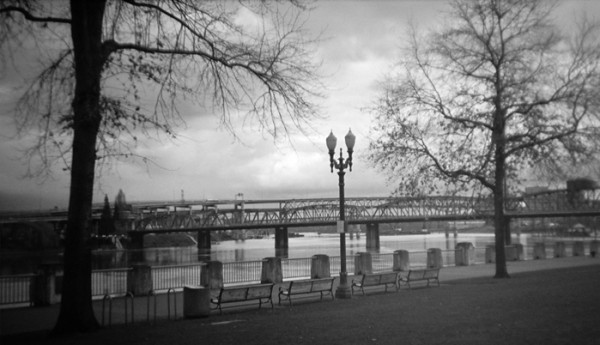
[45,290]
[211,276]
[196,301]
[490,254]
[578,248]
[514,252]
[363,263]
[519,252]
[434,258]
[401,261]
[271,271]
[464,255]
[510,252]
[594,248]
[139,280]
[319,266]
[539,251]
[559,250]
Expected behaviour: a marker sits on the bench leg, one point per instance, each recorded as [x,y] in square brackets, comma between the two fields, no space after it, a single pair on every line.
[289,298]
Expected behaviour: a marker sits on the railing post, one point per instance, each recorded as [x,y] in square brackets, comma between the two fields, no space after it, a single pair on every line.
[559,249]
[401,260]
[578,248]
[363,263]
[212,275]
[490,254]
[271,271]
[539,251]
[139,280]
[319,266]
[434,258]
[464,254]
[45,287]
[594,248]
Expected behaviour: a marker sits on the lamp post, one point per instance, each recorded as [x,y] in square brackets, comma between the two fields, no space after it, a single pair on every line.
[343,290]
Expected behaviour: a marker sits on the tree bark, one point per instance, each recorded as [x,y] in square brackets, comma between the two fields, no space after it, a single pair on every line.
[76,312]
[498,137]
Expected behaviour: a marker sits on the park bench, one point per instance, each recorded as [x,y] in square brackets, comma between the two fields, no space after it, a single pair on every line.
[299,287]
[236,294]
[376,279]
[428,274]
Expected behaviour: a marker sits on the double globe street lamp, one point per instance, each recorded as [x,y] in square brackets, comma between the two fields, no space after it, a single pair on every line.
[343,289]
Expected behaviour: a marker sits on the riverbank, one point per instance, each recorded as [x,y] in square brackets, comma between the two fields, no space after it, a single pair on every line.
[554,301]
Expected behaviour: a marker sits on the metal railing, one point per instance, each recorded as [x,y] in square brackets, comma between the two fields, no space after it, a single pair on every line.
[296,268]
[16,288]
[109,282]
[382,262]
[176,276]
[242,272]
[19,289]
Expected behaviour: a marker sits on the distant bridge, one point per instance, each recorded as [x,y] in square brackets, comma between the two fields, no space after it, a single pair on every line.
[161,216]
[254,214]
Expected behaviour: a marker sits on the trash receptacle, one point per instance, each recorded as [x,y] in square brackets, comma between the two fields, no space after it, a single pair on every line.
[196,301]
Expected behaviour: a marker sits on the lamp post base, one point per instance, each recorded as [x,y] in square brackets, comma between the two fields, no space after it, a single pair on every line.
[343,290]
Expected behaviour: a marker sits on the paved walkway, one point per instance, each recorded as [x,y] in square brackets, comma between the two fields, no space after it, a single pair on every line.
[22,320]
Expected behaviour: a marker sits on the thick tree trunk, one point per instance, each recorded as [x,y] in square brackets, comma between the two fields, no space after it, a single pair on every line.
[76,312]
[498,134]
[499,226]
[507,231]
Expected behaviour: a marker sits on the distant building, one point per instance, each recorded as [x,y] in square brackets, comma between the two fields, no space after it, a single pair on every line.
[536,189]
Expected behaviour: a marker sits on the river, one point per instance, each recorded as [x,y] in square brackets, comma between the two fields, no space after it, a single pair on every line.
[254,249]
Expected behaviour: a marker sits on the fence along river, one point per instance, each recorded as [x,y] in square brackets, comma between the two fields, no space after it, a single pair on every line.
[299,247]
[256,249]
[172,268]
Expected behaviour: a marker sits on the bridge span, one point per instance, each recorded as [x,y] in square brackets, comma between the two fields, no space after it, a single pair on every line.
[255,214]
[206,216]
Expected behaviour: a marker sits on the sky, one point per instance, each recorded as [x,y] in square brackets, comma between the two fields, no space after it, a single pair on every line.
[361,41]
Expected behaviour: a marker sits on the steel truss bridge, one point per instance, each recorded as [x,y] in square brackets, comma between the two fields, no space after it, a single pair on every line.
[257,214]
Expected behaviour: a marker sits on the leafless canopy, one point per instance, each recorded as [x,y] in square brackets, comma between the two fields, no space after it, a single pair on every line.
[238,60]
[498,91]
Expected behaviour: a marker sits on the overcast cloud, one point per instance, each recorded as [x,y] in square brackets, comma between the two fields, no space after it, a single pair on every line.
[361,41]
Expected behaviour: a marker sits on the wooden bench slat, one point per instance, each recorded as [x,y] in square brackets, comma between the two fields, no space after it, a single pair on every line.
[428,274]
[260,292]
[367,280]
[298,287]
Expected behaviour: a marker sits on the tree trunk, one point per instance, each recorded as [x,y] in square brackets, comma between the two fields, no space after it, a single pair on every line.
[507,231]
[76,312]
[498,136]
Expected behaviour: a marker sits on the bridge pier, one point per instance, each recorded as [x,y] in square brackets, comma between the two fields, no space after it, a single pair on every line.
[372,236]
[203,242]
[136,246]
[281,241]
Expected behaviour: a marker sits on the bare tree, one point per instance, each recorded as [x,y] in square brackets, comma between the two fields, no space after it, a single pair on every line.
[103,60]
[498,89]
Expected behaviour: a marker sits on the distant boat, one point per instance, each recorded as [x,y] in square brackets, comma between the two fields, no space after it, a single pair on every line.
[401,231]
